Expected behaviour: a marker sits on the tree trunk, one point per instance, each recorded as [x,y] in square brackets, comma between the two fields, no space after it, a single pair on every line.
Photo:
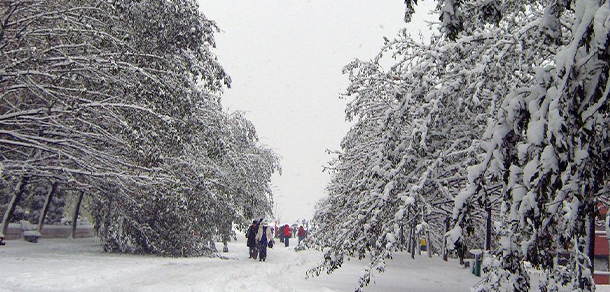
[445,253]
[409,240]
[10,208]
[45,208]
[75,215]
[462,252]
[402,237]
[428,243]
[488,229]
[405,245]
[591,235]
[413,243]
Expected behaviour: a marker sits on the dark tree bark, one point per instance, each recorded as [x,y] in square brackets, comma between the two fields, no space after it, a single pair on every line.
[445,253]
[418,245]
[402,237]
[8,214]
[428,243]
[76,212]
[409,240]
[45,208]
[591,247]
[462,252]
[488,228]
[413,243]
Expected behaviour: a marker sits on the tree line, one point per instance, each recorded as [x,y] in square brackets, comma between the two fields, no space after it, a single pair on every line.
[499,122]
[117,103]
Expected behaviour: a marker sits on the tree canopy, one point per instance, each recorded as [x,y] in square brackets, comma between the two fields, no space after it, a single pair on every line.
[120,100]
[505,108]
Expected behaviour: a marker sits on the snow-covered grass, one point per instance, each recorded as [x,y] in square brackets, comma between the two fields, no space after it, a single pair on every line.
[80,265]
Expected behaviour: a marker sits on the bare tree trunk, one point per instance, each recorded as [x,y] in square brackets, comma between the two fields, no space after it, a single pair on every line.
[428,243]
[488,229]
[402,237]
[8,213]
[445,253]
[591,243]
[75,215]
[462,252]
[409,240]
[413,243]
[418,245]
[405,245]
[45,208]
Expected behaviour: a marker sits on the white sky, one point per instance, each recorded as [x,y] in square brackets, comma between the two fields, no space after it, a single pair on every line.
[285,59]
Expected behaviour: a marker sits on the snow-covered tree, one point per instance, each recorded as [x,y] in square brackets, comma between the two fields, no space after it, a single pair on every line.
[63,94]
[119,101]
[549,147]
[406,156]
[450,122]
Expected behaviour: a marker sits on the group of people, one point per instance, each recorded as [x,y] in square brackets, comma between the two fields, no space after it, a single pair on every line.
[286,232]
[260,237]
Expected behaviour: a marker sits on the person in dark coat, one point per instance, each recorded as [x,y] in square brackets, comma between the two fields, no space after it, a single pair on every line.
[281,233]
[263,237]
[251,235]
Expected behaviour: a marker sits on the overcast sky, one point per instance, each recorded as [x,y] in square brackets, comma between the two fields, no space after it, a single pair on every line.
[285,59]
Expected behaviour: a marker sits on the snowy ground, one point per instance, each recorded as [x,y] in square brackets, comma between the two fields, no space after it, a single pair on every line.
[80,265]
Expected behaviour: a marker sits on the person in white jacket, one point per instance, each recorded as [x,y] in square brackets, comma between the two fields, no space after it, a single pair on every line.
[263,236]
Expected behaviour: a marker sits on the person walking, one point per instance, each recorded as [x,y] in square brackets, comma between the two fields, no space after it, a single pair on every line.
[281,233]
[301,233]
[287,235]
[251,235]
[263,236]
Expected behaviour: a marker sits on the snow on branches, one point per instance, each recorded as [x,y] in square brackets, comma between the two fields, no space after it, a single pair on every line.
[548,146]
[506,110]
[119,100]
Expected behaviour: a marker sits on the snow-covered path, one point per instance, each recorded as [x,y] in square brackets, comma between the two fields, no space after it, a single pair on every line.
[79,265]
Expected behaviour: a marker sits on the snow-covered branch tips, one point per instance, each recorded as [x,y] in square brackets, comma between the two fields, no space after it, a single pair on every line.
[499,123]
[119,101]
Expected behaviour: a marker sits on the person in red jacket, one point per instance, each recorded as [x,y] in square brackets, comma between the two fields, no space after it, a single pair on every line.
[287,235]
[301,233]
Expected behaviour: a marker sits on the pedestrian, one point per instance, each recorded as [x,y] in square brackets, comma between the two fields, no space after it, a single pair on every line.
[301,233]
[263,236]
[281,233]
[251,235]
[287,235]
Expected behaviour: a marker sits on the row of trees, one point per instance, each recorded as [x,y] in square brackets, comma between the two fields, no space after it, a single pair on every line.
[503,116]
[117,101]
